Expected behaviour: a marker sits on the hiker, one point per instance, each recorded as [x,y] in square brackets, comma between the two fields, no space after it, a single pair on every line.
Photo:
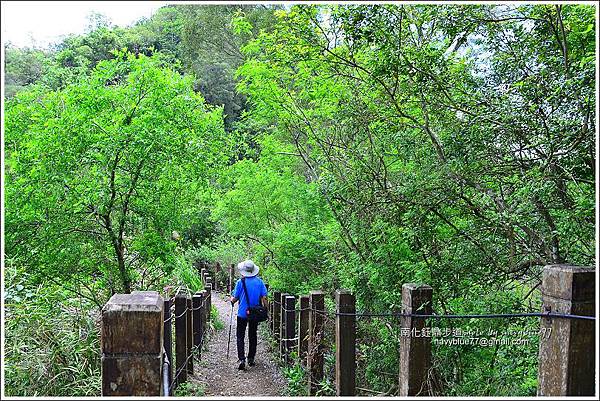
[250,291]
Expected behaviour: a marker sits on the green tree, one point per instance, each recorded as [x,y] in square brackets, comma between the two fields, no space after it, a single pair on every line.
[101,172]
[22,67]
[452,145]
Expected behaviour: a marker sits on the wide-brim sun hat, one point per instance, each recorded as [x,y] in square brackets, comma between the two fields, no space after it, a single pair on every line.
[247,268]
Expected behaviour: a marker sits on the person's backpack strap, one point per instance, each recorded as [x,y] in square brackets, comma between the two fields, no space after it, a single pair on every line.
[246,291]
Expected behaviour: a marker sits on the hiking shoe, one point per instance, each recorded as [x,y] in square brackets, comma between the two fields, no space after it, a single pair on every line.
[242,365]
[251,362]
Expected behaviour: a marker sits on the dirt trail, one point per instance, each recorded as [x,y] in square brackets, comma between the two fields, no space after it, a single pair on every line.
[220,376]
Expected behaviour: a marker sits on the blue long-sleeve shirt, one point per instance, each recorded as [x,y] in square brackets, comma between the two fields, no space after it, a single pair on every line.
[256,289]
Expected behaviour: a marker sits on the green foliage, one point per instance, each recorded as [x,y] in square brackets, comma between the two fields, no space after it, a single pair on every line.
[348,146]
[184,275]
[426,133]
[52,346]
[109,151]
[215,319]
[296,378]
[190,389]
[22,67]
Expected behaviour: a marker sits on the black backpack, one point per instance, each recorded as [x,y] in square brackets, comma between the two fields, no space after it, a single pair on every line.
[254,313]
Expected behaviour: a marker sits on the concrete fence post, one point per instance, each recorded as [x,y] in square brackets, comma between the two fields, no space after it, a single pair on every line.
[132,344]
[181,348]
[567,346]
[415,349]
[314,364]
[345,343]
[303,329]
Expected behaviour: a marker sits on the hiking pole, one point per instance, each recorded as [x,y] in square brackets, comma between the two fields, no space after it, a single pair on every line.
[230,323]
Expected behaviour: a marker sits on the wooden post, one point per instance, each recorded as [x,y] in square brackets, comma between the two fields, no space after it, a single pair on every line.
[203,275]
[345,343]
[181,348]
[282,325]
[218,276]
[168,337]
[268,307]
[415,349]
[276,315]
[314,364]
[197,320]
[303,329]
[203,314]
[212,280]
[208,289]
[567,346]
[290,326]
[189,335]
[132,344]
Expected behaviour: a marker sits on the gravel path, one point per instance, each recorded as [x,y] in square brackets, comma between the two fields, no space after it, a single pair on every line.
[220,376]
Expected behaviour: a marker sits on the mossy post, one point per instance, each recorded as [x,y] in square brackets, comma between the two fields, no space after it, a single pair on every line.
[567,346]
[132,344]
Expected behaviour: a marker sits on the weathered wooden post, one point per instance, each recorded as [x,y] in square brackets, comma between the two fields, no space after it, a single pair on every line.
[168,337]
[189,326]
[290,326]
[203,325]
[181,348]
[218,276]
[345,343]
[197,320]
[415,349]
[268,308]
[203,275]
[213,280]
[132,344]
[208,304]
[282,325]
[303,329]
[314,364]
[276,315]
[567,346]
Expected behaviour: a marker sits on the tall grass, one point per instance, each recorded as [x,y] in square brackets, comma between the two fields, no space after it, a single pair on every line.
[52,345]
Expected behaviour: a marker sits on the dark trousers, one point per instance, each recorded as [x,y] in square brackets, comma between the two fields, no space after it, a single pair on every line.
[241,334]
